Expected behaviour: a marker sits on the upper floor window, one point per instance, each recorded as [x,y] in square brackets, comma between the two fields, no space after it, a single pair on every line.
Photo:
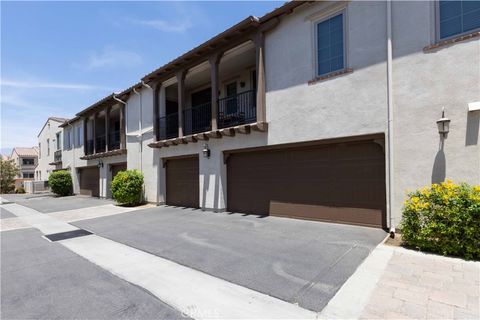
[39,150]
[79,137]
[48,147]
[59,140]
[28,161]
[330,44]
[458,17]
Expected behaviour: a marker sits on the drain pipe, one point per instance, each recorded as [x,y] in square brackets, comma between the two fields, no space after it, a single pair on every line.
[140,135]
[390,117]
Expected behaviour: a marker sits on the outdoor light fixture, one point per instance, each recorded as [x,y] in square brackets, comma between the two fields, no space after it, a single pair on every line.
[443,124]
[206,151]
[100,164]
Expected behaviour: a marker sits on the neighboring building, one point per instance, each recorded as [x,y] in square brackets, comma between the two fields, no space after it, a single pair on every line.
[49,148]
[95,147]
[317,110]
[26,159]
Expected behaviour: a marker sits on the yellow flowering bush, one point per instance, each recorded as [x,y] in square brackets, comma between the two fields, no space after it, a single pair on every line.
[443,218]
[127,187]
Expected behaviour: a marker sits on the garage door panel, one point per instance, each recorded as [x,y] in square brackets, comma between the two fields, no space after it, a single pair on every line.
[348,177]
[182,177]
[89,181]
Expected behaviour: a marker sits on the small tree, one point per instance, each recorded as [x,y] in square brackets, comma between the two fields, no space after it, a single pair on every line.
[61,183]
[127,187]
[8,172]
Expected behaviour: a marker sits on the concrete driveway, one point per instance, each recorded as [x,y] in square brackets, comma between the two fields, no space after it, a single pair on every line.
[44,280]
[47,203]
[297,261]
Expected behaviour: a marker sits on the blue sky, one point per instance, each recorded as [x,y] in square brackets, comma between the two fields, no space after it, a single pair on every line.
[59,57]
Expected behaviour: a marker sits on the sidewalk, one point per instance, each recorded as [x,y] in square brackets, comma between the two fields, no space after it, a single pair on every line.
[415,285]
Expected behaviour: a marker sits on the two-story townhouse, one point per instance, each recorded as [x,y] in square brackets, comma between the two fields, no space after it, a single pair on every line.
[49,148]
[94,147]
[318,110]
[26,159]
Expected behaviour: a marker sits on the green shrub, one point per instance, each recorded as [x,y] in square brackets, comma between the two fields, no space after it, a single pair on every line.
[127,187]
[20,190]
[444,218]
[60,182]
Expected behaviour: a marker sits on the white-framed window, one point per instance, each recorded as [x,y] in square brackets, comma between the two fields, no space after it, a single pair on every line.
[39,150]
[330,43]
[457,17]
[79,138]
[48,147]
[59,140]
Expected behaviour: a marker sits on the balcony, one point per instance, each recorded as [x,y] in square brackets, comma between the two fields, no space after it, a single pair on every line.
[237,109]
[104,132]
[216,98]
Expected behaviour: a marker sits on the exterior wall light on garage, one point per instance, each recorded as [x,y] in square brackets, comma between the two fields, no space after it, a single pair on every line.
[206,151]
[100,164]
[443,124]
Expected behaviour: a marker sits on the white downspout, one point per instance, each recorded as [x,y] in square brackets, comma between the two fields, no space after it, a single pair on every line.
[140,135]
[390,117]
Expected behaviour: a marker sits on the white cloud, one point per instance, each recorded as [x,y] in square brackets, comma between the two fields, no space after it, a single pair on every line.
[165,26]
[112,57]
[48,85]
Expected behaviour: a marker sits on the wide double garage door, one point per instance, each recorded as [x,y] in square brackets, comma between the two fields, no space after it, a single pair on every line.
[341,182]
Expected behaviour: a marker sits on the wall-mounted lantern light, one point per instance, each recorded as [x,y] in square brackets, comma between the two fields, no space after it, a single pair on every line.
[206,151]
[443,124]
[100,163]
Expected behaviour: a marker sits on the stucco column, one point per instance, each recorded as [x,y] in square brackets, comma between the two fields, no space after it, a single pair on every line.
[95,132]
[260,62]
[85,127]
[107,128]
[181,99]
[122,127]
[214,62]
[156,118]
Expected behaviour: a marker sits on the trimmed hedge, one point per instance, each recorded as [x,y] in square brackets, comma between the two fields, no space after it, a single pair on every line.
[443,218]
[60,182]
[127,187]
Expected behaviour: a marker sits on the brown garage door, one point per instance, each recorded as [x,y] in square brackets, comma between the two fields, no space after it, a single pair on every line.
[89,181]
[343,182]
[116,168]
[183,182]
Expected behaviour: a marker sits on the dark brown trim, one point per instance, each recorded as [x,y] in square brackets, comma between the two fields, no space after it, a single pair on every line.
[307,144]
[330,76]
[105,154]
[448,42]
[185,156]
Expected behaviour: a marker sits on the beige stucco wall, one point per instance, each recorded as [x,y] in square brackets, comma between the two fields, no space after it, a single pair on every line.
[424,83]
[349,105]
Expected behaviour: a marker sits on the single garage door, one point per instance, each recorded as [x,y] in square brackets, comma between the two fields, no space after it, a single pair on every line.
[116,168]
[89,181]
[182,182]
[343,182]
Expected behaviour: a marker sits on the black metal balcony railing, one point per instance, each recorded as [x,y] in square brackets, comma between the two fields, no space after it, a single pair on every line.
[238,109]
[89,146]
[232,111]
[57,156]
[197,118]
[100,143]
[169,126]
[114,140]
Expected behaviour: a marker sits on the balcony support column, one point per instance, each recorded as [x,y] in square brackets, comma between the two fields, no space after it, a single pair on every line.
[107,128]
[122,127]
[181,99]
[95,132]
[214,63]
[260,64]
[85,127]
[157,88]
